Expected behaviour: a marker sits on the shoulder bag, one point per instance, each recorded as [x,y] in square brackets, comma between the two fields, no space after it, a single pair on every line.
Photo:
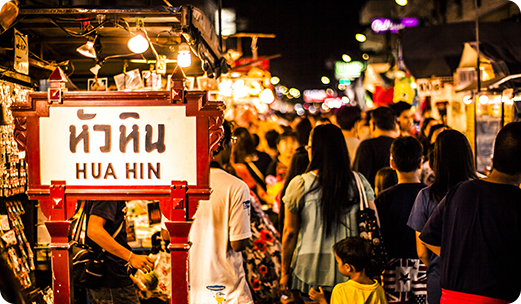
[368,229]
[87,263]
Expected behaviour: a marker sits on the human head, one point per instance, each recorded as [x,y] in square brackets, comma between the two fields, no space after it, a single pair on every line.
[328,148]
[355,251]
[404,114]
[385,178]
[426,126]
[406,154]
[435,131]
[383,118]
[507,150]
[452,162]
[287,143]
[303,129]
[226,139]
[271,138]
[348,116]
[244,145]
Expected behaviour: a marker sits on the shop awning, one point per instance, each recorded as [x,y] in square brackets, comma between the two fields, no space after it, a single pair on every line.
[437,50]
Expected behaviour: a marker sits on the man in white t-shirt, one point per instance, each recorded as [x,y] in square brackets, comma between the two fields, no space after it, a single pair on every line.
[221,229]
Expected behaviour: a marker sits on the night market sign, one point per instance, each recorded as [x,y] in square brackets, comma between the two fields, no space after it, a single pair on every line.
[384,25]
[118,145]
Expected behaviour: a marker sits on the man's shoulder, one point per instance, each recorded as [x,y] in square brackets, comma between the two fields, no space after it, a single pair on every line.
[219,177]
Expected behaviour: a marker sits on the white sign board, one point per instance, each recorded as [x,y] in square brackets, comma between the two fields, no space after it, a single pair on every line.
[428,86]
[118,146]
[21,53]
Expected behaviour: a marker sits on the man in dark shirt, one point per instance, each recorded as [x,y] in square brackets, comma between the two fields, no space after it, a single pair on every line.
[477,230]
[373,154]
[394,206]
[104,218]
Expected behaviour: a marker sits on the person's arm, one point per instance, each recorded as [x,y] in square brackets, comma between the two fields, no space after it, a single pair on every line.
[289,243]
[97,233]
[239,245]
[424,254]
[433,248]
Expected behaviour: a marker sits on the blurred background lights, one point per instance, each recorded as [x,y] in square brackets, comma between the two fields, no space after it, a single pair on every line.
[483,99]
[360,37]
[325,80]
[275,80]
[365,56]
[294,92]
[346,58]
[401,2]
[266,96]
[467,99]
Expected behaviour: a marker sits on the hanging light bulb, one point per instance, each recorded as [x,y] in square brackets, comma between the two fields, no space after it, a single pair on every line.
[87,49]
[138,44]
[184,58]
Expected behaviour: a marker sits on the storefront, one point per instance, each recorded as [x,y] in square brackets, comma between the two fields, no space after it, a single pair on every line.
[112,126]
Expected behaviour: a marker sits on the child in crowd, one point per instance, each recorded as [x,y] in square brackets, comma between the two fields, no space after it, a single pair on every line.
[353,255]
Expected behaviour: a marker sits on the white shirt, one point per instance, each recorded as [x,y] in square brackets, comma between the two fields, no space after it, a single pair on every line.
[216,274]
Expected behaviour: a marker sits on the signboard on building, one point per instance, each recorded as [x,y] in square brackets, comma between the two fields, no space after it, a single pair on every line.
[349,70]
[428,86]
[21,53]
[384,25]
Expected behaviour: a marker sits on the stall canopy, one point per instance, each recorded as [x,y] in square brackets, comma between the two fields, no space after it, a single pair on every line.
[54,35]
[437,50]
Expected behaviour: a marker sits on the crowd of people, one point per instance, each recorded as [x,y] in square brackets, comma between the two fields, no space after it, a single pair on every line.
[301,177]
[282,223]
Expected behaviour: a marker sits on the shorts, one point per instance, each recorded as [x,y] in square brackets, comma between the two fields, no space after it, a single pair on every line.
[122,295]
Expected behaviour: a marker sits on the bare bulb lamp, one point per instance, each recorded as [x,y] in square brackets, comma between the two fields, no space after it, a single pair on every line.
[138,44]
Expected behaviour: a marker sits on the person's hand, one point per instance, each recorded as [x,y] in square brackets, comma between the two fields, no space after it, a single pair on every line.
[283,282]
[141,262]
[317,296]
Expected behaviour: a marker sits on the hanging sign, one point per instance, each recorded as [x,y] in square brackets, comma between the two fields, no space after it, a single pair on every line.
[21,53]
[118,146]
[428,86]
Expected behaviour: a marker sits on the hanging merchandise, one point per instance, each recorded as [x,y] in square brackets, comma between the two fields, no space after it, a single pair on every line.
[14,246]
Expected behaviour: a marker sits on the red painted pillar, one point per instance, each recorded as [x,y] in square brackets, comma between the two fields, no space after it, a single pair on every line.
[179,247]
[61,262]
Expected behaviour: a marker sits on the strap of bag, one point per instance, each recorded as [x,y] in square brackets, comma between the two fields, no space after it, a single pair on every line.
[361,191]
[255,169]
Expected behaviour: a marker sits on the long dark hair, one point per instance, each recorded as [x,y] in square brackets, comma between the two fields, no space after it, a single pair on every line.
[330,157]
[452,163]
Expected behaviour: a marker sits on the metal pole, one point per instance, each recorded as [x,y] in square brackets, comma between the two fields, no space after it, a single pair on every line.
[478,87]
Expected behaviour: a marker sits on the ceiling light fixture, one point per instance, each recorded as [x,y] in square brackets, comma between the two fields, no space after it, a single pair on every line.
[8,13]
[87,49]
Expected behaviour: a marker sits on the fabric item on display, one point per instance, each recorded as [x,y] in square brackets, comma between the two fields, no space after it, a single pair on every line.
[405,281]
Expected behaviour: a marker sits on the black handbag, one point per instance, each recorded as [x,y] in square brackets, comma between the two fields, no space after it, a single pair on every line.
[368,228]
[87,263]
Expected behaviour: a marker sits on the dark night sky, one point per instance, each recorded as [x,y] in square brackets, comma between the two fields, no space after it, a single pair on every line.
[307,35]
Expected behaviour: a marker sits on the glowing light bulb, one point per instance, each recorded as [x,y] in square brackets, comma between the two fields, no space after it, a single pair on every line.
[138,44]
[184,58]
